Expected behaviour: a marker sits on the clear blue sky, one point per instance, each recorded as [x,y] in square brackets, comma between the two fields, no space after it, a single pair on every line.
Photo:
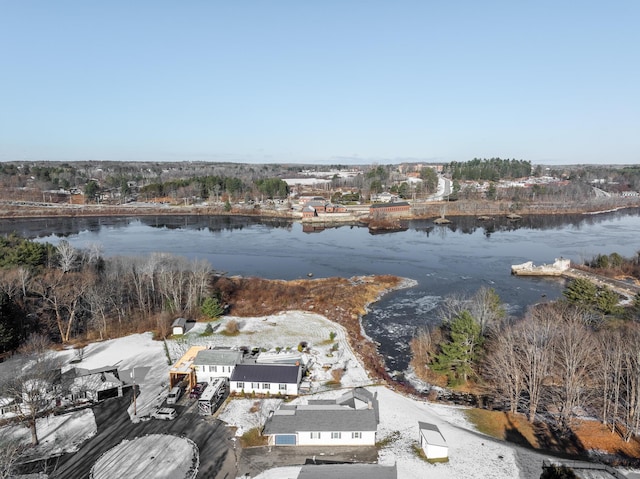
[331,81]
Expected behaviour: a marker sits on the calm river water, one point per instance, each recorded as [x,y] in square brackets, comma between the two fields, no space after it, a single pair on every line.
[444,260]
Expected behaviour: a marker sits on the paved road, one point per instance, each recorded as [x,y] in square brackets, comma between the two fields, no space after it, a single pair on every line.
[213,438]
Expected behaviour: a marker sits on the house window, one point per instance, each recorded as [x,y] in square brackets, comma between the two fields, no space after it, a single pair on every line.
[282,387]
[336,435]
[240,385]
[255,385]
[315,435]
[214,369]
[266,386]
[356,435]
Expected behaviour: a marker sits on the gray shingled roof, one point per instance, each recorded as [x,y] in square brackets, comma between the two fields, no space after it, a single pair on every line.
[348,471]
[267,373]
[179,322]
[432,434]
[290,419]
[218,357]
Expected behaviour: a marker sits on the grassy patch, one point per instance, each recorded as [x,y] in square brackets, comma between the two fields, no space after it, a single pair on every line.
[585,435]
[594,435]
[419,452]
[387,441]
[253,438]
[166,351]
[228,333]
[511,427]
[440,460]
[331,384]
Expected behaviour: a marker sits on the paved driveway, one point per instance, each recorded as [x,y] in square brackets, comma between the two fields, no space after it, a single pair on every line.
[213,438]
[258,459]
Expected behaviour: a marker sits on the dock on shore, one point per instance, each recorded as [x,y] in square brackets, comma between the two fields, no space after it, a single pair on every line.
[562,268]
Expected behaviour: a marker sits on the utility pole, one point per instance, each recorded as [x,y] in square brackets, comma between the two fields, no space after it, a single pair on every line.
[135,406]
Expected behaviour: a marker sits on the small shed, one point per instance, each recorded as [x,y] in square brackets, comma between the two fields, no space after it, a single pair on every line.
[179,326]
[432,441]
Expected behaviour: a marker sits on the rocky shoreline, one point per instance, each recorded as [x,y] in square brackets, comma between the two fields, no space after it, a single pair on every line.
[355,215]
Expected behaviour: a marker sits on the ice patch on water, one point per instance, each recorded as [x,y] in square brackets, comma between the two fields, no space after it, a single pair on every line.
[412,303]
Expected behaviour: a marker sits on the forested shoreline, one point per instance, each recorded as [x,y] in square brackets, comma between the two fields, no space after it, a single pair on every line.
[69,294]
[559,363]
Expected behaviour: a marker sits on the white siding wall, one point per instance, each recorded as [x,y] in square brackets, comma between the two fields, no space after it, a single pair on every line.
[209,373]
[434,452]
[346,438]
[273,389]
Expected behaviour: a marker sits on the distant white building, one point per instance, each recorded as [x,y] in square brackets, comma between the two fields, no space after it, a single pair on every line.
[385,197]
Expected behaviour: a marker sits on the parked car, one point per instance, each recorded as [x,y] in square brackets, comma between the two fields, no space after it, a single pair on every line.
[174,395]
[197,390]
[165,413]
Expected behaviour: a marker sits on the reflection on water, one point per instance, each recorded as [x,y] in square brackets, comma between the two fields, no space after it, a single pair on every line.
[443,259]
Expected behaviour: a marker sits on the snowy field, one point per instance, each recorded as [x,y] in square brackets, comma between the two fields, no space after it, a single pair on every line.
[147,457]
[470,455]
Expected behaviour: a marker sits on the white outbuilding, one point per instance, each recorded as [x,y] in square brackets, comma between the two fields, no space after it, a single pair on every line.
[432,441]
[179,326]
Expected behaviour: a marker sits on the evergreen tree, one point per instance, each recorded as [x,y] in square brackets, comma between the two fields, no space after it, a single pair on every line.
[212,308]
[581,291]
[585,293]
[461,350]
[558,472]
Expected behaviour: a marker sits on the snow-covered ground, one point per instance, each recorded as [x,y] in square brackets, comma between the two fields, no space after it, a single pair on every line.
[147,457]
[57,434]
[470,455]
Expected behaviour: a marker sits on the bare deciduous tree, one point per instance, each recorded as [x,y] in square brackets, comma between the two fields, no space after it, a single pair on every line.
[67,256]
[9,454]
[610,353]
[536,334]
[503,366]
[62,294]
[575,362]
[630,403]
[486,309]
[30,382]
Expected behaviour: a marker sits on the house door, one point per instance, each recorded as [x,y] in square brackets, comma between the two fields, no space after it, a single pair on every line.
[286,440]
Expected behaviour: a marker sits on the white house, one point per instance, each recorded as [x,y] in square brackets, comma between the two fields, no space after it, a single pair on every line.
[273,379]
[385,197]
[215,363]
[92,385]
[351,420]
[432,441]
[8,407]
